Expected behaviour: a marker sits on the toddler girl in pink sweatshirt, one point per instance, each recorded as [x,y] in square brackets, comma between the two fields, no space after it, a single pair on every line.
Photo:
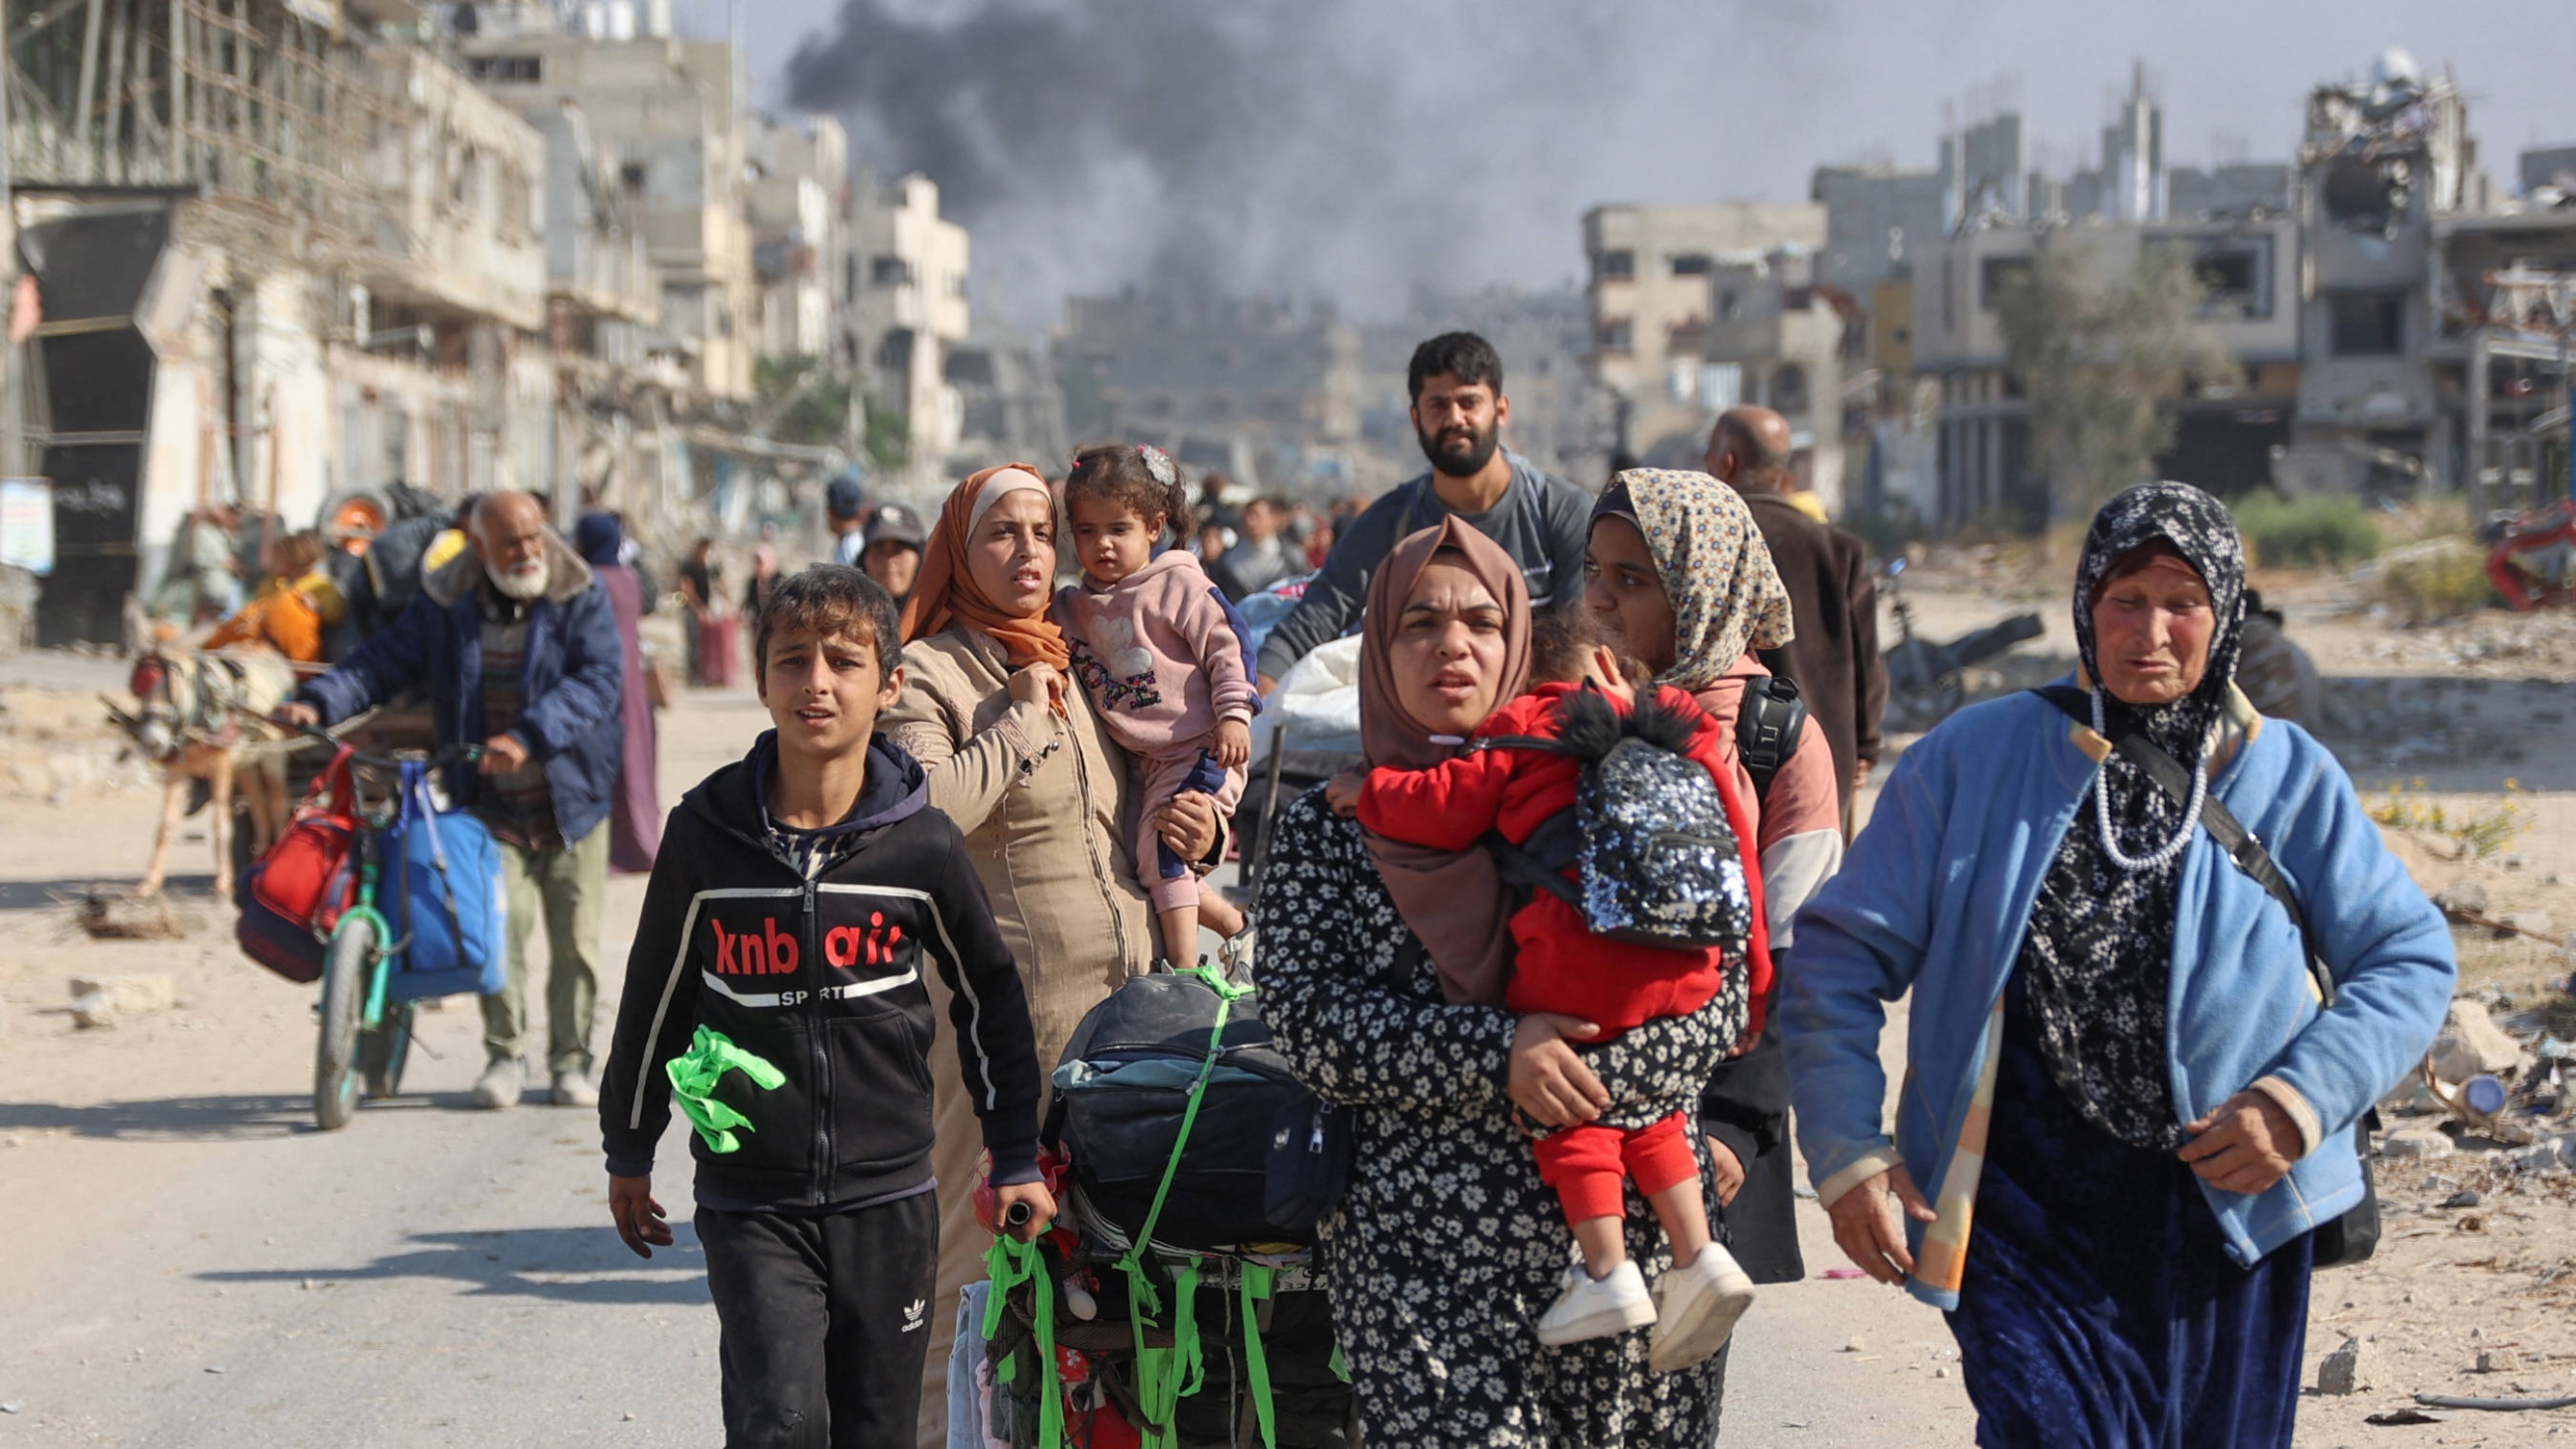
[1163,656]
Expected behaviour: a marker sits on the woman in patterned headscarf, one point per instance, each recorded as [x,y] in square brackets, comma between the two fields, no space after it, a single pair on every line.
[2119,1066]
[1678,575]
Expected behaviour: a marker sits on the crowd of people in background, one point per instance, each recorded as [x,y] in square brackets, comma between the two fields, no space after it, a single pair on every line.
[2136,1057]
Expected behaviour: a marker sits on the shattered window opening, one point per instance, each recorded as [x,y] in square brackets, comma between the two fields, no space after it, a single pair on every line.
[2366,323]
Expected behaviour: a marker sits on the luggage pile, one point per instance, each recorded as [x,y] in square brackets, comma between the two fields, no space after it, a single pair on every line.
[1175,1306]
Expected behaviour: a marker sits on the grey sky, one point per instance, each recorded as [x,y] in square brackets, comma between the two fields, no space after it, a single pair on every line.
[1459,141]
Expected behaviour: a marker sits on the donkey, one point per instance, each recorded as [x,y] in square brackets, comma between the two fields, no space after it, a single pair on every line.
[205,717]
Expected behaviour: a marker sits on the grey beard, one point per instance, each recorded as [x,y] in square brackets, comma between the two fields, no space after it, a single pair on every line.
[521,587]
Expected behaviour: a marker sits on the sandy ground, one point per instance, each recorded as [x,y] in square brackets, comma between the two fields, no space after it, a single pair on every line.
[189,1263]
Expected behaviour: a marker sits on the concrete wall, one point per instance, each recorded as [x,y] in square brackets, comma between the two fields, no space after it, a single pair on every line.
[1875,220]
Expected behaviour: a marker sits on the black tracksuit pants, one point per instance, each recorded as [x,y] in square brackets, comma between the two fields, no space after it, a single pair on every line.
[826,1322]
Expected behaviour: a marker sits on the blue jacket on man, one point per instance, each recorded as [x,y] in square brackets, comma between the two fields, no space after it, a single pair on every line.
[572,679]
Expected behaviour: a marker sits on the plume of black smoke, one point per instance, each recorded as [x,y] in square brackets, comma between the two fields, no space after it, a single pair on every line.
[1347,148]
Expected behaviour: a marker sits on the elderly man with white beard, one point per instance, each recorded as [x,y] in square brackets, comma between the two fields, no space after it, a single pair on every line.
[517,647]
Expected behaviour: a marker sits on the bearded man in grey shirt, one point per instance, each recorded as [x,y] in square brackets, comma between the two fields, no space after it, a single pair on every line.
[1458,413]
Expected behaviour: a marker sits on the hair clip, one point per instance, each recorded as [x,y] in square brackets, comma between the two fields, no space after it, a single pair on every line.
[1159,463]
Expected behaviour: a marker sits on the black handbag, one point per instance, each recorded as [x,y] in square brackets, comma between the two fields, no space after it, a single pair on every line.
[2354,1236]
[1308,1166]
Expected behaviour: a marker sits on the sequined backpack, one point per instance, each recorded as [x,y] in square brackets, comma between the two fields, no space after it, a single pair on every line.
[1654,860]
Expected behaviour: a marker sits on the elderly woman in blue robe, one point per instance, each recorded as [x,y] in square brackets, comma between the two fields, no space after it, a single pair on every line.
[2121,1069]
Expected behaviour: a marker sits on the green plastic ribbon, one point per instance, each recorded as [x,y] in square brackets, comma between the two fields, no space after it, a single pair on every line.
[1177,1372]
[1007,1264]
[1340,1366]
[1257,1283]
[1159,1371]
[694,1074]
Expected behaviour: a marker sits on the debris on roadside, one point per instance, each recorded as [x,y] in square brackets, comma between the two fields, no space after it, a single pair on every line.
[107,917]
[2340,1372]
[2454,1401]
[2466,896]
[2416,1142]
[100,1001]
[2471,1044]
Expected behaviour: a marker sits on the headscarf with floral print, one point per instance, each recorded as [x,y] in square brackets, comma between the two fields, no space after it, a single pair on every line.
[1716,571]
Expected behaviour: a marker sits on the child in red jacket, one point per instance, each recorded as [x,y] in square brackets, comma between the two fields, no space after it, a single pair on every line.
[1560,966]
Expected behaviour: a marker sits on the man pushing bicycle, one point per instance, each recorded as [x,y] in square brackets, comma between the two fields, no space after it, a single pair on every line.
[515,644]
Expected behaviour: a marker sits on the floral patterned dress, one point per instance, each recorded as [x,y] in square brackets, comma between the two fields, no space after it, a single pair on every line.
[1448,1247]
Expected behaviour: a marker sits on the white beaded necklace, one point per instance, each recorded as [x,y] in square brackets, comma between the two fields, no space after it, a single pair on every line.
[2102,808]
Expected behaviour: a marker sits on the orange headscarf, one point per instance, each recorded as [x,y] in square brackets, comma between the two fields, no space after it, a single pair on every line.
[946,593]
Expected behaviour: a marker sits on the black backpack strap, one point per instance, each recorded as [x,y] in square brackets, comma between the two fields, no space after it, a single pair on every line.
[1526,866]
[1769,725]
[2243,846]
[1520,742]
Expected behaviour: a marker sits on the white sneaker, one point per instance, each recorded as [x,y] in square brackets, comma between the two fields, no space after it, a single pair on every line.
[501,1084]
[1597,1307]
[573,1089]
[1697,1308]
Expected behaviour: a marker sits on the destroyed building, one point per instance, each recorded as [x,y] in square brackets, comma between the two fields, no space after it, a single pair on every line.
[906,278]
[672,110]
[1780,339]
[2251,270]
[282,257]
[1262,389]
[1650,300]
[799,200]
[2390,308]
[293,252]
[1008,406]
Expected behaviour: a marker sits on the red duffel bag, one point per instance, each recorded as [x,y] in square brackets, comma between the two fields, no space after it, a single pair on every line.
[292,898]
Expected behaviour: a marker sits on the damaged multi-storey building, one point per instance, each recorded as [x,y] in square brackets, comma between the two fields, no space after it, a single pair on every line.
[293,252]
[2399,320]
[281,259]
[1652,296]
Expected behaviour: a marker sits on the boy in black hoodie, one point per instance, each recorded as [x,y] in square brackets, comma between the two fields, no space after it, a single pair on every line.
[776,987]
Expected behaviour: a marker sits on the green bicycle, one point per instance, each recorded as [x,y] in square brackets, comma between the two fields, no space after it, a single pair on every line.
[364,1036]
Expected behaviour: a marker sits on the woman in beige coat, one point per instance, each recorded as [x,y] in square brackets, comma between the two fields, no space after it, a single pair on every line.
[1018,760]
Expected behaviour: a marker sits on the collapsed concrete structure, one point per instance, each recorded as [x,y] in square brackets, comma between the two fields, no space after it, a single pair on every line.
[2401,322]
[1651,297]
[291,253]
[281,259]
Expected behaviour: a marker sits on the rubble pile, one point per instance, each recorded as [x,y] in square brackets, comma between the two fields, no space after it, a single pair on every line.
[2490,641]
[2504,1089]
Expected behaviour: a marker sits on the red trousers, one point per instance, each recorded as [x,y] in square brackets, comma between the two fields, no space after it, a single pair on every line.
[1587,1165]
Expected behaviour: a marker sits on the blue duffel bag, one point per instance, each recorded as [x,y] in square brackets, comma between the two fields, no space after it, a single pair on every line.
[442,897]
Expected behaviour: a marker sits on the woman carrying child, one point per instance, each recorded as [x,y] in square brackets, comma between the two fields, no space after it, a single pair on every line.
[1448,1248]
[1162,656]
[1502,786]
[1676,574]
[1028,771]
